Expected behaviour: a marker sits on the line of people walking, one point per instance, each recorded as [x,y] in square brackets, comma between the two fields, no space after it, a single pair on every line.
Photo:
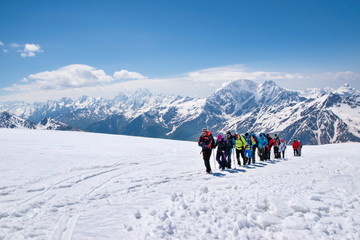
[245,147]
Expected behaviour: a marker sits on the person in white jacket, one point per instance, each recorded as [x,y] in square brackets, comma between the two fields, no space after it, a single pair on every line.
[282,148]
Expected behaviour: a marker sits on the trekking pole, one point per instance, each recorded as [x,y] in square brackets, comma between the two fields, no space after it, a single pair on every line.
[234,157]
[214,158]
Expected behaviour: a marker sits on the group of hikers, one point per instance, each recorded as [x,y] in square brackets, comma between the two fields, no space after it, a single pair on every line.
[245,146]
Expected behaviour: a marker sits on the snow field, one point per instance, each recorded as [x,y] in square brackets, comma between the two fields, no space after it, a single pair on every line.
[71,185]
[249,212]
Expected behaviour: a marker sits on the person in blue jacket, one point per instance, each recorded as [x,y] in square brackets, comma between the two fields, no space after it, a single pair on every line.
[248,149]
[262,144]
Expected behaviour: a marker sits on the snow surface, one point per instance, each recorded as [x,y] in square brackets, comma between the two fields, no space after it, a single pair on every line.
[351,116]
[76,185]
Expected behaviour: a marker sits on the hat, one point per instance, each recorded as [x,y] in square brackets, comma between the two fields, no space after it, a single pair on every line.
[246,134]
[236,136]
[219,137]
[204,130]
[228,132]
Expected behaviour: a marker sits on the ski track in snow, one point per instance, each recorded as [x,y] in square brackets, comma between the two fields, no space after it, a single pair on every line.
[164,193]
[74,193]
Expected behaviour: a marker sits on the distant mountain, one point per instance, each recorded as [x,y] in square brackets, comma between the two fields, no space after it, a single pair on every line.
[316,116]
[9,120]
[52,124]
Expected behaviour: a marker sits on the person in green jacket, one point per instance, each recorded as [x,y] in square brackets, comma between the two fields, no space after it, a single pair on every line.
[240,144]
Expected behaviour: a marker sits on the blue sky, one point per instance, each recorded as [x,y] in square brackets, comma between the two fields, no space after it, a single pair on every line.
[187,47]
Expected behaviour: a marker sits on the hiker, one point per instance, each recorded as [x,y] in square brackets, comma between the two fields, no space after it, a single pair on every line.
[297,147]
[262,145]
[276,146]
[282,148]
[240,144]
[221,152]
[254,141]
[230,145]
[206,142]
[248,149]
[271,142]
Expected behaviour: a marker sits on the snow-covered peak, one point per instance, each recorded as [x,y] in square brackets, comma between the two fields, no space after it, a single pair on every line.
[239,86]
[346,90]
[52,124]
[313,93]
[268,88]
[9,120]
[270,93]
[141,93]
[121,97]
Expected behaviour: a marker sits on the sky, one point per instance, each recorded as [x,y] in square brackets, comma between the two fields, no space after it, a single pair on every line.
[53,49]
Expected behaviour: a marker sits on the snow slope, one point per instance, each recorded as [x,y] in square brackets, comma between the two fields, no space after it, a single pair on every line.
[76,185]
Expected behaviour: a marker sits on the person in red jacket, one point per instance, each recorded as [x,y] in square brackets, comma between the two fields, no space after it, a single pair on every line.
[206,142]
[271,142]
[297,147]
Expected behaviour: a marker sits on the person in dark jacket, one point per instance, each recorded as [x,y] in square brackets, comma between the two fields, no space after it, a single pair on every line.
[222,147]
[230,141]
[206,142]
[276,145]
[254,140]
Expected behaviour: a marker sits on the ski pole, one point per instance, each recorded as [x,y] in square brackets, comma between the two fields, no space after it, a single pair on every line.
[214,158]
[234,156]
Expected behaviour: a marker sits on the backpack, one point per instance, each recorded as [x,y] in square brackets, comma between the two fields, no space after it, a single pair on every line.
[212,141]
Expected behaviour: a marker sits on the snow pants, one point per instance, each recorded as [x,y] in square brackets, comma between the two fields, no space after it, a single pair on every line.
[238,153]
[267,153]
[253,154]
[221,159]
[228,157]
[276,152]
[296,152]
[206,156]
[248,155]
[262,153]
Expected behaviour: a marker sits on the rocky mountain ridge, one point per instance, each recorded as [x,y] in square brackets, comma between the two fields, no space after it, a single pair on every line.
[316,116]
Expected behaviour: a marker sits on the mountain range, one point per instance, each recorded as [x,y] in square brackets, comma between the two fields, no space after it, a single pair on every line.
[315,116]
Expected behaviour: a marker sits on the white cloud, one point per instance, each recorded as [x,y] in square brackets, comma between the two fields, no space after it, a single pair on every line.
[72,76]
[125,74]
[26,50]
[235,72]
[15,45]
[2,45]
[30,50]
[77,80]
